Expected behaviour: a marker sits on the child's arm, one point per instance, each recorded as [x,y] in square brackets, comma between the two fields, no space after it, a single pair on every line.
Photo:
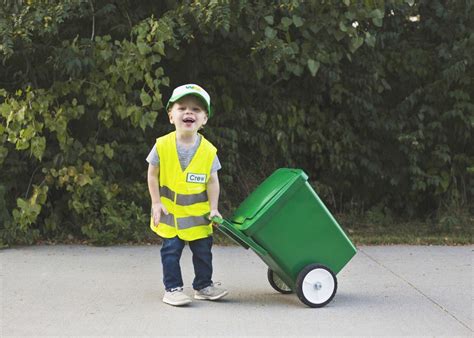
[213,190]
[153,187]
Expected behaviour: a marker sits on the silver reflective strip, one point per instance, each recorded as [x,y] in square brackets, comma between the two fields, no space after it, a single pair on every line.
[191,199]
[167,192]
[192,221]
[167,219]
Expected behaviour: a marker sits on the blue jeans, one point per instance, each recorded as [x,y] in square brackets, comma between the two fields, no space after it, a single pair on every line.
[202,260]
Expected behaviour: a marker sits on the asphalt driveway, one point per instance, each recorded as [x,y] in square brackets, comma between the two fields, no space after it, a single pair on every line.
[81,290]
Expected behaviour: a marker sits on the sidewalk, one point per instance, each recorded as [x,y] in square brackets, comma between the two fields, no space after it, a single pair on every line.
[79,290]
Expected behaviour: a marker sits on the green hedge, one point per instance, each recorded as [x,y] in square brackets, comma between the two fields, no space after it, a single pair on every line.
[373,99]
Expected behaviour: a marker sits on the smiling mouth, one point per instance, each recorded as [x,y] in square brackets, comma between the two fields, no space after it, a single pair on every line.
[188,120]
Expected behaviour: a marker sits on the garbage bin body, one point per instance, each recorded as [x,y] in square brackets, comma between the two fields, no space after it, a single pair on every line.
[286,218]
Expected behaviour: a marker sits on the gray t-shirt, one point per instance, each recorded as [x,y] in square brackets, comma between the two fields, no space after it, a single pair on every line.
[185,155]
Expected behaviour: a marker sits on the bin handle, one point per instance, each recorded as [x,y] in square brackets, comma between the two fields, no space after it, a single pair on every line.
[237,236]
[229,233]
[217,219]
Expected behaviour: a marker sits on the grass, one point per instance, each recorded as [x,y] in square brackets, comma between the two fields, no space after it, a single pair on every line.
[419,235]
[401,233]
[455,229]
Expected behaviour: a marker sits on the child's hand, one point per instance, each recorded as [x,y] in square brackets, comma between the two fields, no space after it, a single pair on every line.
[215,213]
[157,209]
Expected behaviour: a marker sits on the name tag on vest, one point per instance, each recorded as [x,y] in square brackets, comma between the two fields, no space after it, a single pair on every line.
[196,178]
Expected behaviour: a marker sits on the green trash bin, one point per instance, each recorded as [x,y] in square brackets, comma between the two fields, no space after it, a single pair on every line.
[289,227]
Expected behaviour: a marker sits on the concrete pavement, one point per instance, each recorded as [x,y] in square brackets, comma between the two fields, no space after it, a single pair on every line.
[82,291]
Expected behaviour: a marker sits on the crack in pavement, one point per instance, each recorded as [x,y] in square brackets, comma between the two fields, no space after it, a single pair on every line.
[418,290]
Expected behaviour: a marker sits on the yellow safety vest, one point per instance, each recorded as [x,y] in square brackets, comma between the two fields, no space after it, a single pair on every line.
[184,193]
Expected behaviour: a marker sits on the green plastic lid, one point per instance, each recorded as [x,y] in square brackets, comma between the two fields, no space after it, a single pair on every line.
[280,180]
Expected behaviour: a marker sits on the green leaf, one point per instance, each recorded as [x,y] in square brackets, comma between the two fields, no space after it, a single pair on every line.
[38,145]
[286,22]
[159,47]
[149,80]
[108,151]
[143,48]
[104,115]
[297,21]
[350,15]
[27,133]
[445,181]
[377,22]
[22,144]
[356,43]
[347,2]
[269,19]
[342,26]
[22,203]
[313,66]
[369,39]
[83,180]
[377,17]
[5,109]
[145,98]
[377,14]
[270,32]
[147,119]
[339,35]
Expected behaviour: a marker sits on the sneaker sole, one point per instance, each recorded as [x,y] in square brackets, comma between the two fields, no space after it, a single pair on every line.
[184,302]
[200,297]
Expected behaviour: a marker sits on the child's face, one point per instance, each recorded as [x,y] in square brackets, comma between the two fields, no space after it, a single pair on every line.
[188,114]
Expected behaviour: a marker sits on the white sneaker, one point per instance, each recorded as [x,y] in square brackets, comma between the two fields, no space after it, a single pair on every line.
[176,297]
[210,293]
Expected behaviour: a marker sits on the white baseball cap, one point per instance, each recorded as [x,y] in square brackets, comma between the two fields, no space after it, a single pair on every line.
[191,89]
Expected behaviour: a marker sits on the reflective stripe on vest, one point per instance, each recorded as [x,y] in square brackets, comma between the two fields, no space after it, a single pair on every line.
[181,199]
[191,221]
[184,222]
[167,219]
[191,199]
[167,192]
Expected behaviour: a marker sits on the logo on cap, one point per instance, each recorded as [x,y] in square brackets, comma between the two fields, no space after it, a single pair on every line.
[193,87]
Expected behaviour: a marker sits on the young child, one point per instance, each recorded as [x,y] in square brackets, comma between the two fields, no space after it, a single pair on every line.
[184,189]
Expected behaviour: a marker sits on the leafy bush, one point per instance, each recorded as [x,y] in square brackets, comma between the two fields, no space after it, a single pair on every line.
[373,99]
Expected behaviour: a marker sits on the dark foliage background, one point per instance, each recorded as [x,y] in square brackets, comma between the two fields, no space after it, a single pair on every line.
[373,99]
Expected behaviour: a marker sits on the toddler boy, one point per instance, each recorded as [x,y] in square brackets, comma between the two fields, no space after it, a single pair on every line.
[184,188]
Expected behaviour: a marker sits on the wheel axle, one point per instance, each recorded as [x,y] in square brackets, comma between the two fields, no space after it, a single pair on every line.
[318,286]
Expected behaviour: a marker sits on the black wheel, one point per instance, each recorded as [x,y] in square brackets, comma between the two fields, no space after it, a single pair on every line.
[277,283]
[316,285]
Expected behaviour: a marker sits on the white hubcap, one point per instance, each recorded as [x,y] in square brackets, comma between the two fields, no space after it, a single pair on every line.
[318,286]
